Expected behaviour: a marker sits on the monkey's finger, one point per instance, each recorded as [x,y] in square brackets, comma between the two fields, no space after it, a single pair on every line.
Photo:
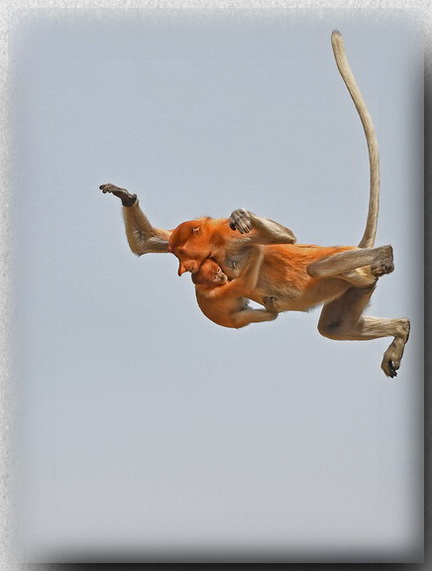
[235,224]
[245,223]
[111,188]
[245,226]
[240,221]
[107,188]
[239,214]
[243,229]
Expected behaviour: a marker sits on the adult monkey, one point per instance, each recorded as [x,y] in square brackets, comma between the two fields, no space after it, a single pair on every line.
[296,277]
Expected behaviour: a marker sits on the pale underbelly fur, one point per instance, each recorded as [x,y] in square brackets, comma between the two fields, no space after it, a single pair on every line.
[290,299]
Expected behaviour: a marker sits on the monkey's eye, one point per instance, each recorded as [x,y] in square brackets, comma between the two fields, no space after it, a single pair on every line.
[195,229]
[215,278]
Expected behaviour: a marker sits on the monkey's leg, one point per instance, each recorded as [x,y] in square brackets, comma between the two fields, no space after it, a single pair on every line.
[142,237]
[341,319]
[380,261]
[249,315]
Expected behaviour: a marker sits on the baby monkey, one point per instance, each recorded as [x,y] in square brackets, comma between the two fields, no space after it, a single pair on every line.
[226,302]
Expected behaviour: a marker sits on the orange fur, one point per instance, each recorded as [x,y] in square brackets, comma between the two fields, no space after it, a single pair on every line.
[284,268]
[193,241]
[225,302]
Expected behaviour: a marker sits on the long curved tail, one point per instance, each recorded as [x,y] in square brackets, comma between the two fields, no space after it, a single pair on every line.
[368,238]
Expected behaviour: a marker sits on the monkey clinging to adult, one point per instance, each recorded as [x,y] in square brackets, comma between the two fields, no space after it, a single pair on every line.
[226,302]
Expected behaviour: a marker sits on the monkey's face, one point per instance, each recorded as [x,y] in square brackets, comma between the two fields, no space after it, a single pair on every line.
[190,243]
[210,274]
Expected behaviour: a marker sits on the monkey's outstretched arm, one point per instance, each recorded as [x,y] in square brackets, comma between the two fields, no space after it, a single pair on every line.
[143,238]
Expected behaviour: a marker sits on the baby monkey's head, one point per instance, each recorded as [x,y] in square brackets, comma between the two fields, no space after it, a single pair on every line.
[209,274]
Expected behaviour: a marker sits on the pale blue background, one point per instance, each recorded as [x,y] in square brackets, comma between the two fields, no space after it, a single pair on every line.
[149,431]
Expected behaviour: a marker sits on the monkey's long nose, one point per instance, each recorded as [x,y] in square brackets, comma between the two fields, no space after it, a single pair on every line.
[186,267]
[181,269]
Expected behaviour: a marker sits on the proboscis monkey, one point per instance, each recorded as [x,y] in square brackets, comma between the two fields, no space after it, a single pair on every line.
[294,276]
[225,302]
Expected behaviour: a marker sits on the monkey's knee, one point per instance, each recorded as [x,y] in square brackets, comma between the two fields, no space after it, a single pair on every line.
[330,328]
[313,269]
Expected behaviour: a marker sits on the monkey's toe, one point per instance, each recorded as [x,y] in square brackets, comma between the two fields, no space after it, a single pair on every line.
[383,263]
[390,368]
[393,372]
[382,268]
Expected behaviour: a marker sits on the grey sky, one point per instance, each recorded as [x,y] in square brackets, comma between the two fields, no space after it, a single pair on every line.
[148,428]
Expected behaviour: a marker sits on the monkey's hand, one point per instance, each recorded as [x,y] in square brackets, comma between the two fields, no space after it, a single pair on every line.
[266,231]
[125,196]
[241,220]
[270,303]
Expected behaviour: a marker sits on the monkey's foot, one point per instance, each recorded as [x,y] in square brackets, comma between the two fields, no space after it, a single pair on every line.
[383,263]
[240,220]
[126,197]
[390,367]
[393,356]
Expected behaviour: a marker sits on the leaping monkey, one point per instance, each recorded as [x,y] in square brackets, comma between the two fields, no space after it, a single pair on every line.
[290,276]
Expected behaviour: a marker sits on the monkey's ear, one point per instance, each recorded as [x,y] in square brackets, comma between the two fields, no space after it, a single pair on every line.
[196,229]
